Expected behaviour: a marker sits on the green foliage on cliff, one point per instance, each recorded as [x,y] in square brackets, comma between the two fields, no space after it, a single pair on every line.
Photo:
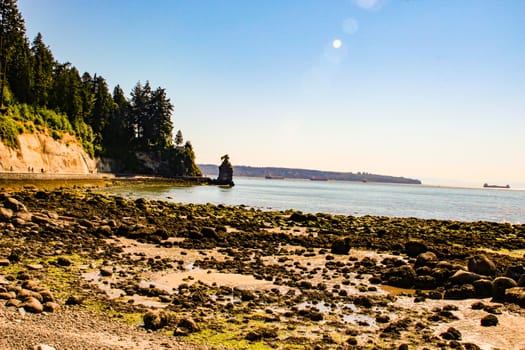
[9,132]
[43,94]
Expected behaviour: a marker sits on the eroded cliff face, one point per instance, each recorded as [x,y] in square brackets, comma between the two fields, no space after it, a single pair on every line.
[39,152]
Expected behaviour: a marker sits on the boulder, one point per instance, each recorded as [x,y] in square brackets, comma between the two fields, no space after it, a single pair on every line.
[465,291]
[14,204]
[489,321]
[515,272]
[156,319]
[402,276]
[483,288]
[209,232]
[481,265]
[521,281]
[189,325]
[464,277]
[51,306]
[426,259]
[5,214]
[25,293]
[451,334]
[32,305]
[425,282]
[74,300]
[414,248]
[340,246]
[516,296]
[7,295]
[500,285]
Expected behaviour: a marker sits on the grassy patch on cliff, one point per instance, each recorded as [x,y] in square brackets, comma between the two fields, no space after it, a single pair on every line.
[22,118]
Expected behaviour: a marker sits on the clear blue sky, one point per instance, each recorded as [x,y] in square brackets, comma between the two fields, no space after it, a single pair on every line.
[430,89]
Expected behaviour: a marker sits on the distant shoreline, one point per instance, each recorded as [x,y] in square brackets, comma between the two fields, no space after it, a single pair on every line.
[309,174]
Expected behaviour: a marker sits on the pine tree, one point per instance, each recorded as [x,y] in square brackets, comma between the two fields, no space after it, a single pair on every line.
[43,64]
[15,55]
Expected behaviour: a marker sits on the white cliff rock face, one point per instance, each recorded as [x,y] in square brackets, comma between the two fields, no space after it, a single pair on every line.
[40,152]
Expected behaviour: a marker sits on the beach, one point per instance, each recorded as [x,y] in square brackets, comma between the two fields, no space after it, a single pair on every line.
[171,275]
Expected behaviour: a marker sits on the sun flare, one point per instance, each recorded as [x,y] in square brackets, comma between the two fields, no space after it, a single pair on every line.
[337,43]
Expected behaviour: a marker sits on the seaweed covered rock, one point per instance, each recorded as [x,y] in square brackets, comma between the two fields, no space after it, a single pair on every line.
[403,276]
[515,295]
[481,265]
[500,285]
[340,246]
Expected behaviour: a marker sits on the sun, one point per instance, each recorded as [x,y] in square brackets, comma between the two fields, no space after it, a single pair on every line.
[337,43]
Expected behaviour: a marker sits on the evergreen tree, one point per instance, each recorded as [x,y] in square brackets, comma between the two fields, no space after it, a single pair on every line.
[14,51]
[140,97]
[119,134]
[161,131]
[68,94]
[43,64]
[101,112]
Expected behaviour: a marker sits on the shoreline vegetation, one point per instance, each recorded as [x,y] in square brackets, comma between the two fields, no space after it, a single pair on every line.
[220,277]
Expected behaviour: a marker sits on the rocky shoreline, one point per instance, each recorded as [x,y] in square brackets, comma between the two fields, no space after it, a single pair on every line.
[233,277]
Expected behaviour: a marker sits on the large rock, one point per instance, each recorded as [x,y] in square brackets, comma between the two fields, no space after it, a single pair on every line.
[500,285]
[489,321]
[483,288]
[32,305]
[225,172]
[464,277]
[5,214]
[426,259]
[481,265]
[155,319]
[402,276]
[414,248]
[515,272]
[465,291]
[516,296]
[340,246]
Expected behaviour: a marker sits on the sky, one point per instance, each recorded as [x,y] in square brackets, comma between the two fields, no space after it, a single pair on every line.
[426,89]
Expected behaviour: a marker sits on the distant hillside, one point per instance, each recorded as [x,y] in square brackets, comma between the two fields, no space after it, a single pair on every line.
[241,170]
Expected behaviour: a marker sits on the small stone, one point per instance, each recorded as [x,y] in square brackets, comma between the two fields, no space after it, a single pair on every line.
[4,262]
[43,347]
[34,266]
[489,321]
[106,271]
[62,261]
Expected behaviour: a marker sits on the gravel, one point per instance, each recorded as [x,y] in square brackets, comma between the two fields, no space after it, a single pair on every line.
[79,329]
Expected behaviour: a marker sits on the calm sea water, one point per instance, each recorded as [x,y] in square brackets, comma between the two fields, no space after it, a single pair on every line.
[350,198]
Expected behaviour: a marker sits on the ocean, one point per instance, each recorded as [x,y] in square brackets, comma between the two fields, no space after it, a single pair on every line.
[350,198]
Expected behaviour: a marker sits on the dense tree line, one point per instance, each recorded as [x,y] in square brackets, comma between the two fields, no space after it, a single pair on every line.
[108,123]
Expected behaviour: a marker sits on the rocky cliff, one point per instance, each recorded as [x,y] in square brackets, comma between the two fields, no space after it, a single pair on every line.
[39,152]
